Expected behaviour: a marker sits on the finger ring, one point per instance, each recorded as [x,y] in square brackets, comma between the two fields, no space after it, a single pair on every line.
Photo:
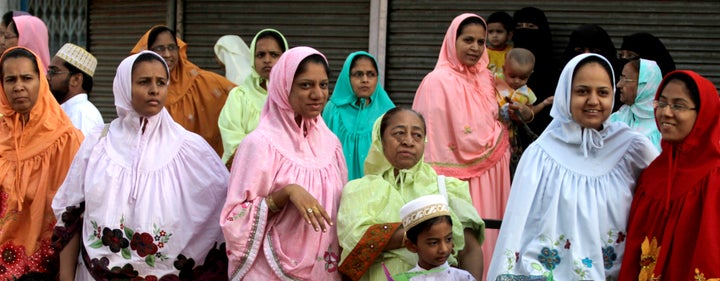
[309,210]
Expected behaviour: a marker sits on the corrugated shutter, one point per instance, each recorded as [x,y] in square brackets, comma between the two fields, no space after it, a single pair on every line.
[335,28]
[115,27]
[66,21]
[688,29]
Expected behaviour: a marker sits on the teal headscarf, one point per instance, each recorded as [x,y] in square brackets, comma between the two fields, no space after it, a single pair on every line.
[641,115]
[351,119]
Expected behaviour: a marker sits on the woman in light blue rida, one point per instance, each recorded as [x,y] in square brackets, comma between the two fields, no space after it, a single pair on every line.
[358,99]
[637,84]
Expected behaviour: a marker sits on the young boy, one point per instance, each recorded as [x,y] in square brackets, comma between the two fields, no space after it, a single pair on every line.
[512,88]
[428,232]
[500,26]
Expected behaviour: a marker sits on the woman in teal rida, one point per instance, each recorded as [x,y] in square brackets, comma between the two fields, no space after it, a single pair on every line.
[358,99]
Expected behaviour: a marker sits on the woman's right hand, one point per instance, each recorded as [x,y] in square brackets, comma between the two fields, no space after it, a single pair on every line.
[312,211]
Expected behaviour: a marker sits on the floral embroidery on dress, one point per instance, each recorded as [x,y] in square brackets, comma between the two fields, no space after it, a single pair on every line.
[143,244]
[14,262]
[214,268]
[587,262]
[467,130]
[511,259]
[580,267]
[331,260]
[245,205]
[114,239]
[650,252]
[549,258]
[125,240]
[6,216]
[609,255]
[699,276]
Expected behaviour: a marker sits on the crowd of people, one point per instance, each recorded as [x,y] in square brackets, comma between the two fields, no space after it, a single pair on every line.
[267,174]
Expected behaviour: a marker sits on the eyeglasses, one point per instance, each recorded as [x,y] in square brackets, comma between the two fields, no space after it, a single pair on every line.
[9,36]
[678,108]
[626,80]
[53,72]
[360,74]
[161,48]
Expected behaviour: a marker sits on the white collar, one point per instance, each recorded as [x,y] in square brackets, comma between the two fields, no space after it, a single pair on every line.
[76,99]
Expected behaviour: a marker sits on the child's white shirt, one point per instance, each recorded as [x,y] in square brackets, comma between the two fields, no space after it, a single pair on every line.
[446,273]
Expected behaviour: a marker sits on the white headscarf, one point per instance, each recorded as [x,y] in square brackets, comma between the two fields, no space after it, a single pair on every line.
[563,125]
[127,143]
[232,51]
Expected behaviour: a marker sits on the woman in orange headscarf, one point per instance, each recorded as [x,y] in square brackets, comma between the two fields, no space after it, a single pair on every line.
[37,145]
[195,96]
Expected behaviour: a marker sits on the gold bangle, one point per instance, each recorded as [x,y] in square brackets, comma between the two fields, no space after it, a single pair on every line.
[532,116]
[271,204]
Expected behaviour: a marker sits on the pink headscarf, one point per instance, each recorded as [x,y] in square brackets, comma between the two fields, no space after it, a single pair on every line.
[277,119]
[33,34]
[458,102]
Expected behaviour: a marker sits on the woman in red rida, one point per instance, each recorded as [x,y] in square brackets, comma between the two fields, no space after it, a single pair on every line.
[675,215]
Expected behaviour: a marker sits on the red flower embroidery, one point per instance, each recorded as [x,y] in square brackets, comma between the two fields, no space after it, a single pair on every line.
[331,261]
[621,237]
[143,244]
[9,255]
[14,262]
[567,243]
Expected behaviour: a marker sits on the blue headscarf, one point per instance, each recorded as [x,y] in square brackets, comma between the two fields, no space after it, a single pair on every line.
[351,118]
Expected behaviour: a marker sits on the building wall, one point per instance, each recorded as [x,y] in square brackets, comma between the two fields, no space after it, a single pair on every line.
[413,30]
[689,30]
[335,28]
[114,29]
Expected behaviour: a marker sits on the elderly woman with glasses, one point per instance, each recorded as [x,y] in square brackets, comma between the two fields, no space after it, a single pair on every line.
[637,84]
[358,99]
[675,215]
[369,224]
[195,96]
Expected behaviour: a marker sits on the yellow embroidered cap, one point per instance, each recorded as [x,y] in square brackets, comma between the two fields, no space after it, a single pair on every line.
[78,57]
[423,208]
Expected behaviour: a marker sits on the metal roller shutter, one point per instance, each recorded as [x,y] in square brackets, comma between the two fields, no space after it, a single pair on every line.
[335,28]
[688,30]
[115,27]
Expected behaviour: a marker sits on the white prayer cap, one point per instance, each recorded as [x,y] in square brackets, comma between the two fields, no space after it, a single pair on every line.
[423,208]
[78,57]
